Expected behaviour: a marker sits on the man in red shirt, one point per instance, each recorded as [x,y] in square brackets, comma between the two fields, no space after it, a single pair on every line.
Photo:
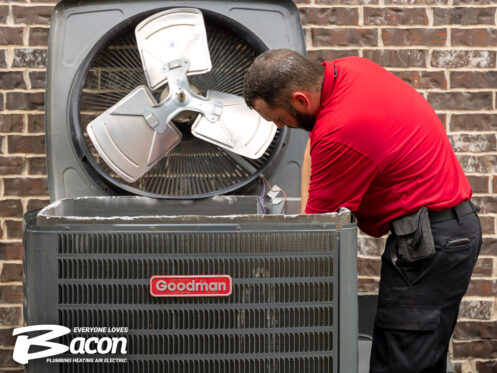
[377,148]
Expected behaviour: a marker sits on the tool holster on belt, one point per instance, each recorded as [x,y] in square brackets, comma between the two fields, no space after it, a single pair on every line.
[415,239]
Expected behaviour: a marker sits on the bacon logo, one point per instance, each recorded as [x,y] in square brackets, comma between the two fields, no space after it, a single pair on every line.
[191,286]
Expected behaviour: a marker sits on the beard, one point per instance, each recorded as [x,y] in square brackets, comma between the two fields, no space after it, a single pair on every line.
[304,121]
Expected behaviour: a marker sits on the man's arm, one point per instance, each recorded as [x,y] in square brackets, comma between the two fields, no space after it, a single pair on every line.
[340,177]
[306,177]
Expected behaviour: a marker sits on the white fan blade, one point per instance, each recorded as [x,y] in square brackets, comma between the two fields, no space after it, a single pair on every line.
[170,35]
[239,129]
[123,137]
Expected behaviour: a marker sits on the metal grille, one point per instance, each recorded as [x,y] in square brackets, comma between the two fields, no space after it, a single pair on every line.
[194,168]
[284,365]
[279,318]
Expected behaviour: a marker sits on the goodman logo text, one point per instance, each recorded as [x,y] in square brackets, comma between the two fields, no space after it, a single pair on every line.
[78,345]
[191,286]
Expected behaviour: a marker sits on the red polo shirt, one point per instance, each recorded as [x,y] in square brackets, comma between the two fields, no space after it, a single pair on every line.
[379,149]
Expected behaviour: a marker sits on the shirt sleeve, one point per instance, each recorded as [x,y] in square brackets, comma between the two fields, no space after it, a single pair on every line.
[340,176]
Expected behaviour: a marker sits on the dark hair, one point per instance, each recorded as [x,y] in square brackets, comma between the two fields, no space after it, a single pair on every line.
[276,74]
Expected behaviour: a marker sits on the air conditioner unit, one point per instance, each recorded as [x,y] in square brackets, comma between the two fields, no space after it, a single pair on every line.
[88,262]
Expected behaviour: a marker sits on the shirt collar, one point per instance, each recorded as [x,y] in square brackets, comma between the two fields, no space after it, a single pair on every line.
[329,79]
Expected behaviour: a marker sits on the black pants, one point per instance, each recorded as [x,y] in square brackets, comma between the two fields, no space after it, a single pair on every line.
[419,302]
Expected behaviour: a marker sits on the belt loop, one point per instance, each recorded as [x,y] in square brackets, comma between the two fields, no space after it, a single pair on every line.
[458,215]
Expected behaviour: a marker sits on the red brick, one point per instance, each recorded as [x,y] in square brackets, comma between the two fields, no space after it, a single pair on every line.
[14,228]
[463,16]
[25,101]
[473,79]
[479,184]
[12,80]
[473,122]
[38,36]
[36,123]
[10,316]
[474,37]
[32,15]
[11,35]
[423,79]
[330,54]
[395,16]
[6,337]
[486,366]
[487,224]
[34,144]
[4,13]
[11,250]
[25,186]
[397,58]
[443,119]
[37,79]
[488,205]
[369,267]
[35,204]
[484,267]
[473,143]
[11,165]
[416,2]
[461,100]
[475,349]
[30,57]
[483,288]
[10,294]
[478,164]
[10,208]
[370,246]
[11,272]
[475,330]
[476,309]
[37,166]
[3,62]
[346,2]
[347,37]
[494,184]
[414,36]
[329,16]
[489,246]
[474,2]
[11,123]
[463,58]
[368,285]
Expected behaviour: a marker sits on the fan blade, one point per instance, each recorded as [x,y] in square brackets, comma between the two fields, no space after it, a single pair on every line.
[123,135]
[170,35]
[239,129]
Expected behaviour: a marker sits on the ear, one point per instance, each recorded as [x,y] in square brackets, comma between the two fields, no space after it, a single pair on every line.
[301,101]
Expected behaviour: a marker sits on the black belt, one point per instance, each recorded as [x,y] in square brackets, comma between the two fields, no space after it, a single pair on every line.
[464,208]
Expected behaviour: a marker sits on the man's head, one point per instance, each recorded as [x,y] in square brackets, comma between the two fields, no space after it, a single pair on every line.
[285,88]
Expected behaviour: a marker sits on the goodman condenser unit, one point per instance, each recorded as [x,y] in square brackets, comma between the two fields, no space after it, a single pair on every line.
[145,98]
[288,303]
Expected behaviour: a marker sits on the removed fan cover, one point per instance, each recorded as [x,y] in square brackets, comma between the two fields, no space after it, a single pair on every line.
[138,136]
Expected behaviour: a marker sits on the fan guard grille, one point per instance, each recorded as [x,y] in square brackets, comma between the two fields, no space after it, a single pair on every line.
[195,168]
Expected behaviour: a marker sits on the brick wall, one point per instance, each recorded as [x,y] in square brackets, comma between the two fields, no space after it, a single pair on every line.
[444,48]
